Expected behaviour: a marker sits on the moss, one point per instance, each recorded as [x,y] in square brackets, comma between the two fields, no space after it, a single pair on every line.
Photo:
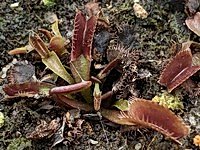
[169,101]
[19,144]
[49,3]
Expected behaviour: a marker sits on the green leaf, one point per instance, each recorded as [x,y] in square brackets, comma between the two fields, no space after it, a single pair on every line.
[81,71]
[55,28]
[54,64]
[122,105]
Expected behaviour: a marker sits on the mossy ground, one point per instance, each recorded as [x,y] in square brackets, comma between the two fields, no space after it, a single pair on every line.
[152,37]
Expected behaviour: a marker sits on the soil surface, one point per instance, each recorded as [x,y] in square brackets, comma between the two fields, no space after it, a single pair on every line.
[149,42]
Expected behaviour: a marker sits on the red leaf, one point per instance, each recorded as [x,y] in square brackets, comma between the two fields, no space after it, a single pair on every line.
[88,36]
[38,44]
[83,36]
[25,89]
[149,114]
[15,89]
[73,88]
[78,35]
[178,70]
[182,76]
[63,100]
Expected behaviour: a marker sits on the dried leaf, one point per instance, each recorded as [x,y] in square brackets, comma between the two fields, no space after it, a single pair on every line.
[178,70]
[194,46]
[194,23]
[149,114]
[196,59]
[139,11]
[44,130]
[50,17]
[196,140]
[59,135]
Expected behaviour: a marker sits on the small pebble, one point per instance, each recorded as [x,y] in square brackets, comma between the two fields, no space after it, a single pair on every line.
[1,119]
[138,146]
[14,5]
[93,142]
[140,12]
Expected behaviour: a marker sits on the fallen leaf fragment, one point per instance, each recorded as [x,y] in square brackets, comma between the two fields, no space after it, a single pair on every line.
[178,70]
[59,135]
[194,23]
[44,130]
[149,114]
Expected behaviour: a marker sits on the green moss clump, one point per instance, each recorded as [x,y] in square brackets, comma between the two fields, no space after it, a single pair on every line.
[19,144]
[169,101]
[49,3]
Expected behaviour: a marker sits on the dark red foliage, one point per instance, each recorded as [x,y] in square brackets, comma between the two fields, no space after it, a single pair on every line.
[178,70]
[21,89]
[73,88]
[26,89]
[83,36]
[146,113]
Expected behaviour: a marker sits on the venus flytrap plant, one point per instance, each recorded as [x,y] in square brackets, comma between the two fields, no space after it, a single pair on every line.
[81,50]
[135,112]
